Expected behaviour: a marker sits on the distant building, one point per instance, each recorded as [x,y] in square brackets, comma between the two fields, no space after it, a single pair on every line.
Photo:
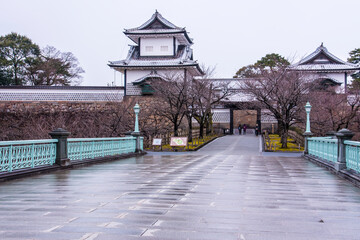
[327,69]
[161,47]
[61,94]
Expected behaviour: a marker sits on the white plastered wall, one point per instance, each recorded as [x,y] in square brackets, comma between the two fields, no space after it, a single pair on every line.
[158,46]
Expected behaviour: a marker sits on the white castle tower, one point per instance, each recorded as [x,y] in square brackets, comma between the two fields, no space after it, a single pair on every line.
[161,47]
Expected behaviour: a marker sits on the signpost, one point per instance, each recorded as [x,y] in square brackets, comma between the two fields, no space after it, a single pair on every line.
[157,142]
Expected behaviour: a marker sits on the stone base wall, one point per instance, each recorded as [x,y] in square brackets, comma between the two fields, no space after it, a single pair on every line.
[298,138]
[34,120]
[271,128]
[247,117]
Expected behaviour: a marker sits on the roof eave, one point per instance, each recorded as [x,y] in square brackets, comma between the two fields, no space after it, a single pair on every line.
[152,66]
[324,70]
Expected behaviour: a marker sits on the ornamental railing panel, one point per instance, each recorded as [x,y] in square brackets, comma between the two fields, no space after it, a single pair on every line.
[15,155]
[352,152]
[142,143]
[323,147]
[90,148]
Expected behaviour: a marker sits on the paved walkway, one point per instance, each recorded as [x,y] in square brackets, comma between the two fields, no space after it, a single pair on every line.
[227,190]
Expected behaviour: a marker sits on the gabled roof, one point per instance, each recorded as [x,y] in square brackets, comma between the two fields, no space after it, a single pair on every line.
[158,25]
[329,79]
[322,60]
[151,75]
[157,21]
[182,59]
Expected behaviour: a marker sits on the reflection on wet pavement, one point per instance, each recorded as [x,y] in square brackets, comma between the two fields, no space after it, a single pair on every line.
[225,191]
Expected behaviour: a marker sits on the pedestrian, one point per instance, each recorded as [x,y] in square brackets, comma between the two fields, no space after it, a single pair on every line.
[257,130]
[239,128]
[244,128]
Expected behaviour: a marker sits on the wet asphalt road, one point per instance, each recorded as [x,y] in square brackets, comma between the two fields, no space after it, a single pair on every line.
[227,190]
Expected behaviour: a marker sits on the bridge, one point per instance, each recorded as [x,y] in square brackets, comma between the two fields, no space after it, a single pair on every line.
[226,190]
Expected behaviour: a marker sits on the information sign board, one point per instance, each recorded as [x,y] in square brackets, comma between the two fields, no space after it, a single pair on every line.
[157,142]
[178,141]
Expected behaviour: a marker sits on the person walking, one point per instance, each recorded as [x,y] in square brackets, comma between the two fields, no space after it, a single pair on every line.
[257,130]
[244,128]
[239,128]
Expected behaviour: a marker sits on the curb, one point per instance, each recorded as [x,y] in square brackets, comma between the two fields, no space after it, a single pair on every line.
[202,145]
[74,164]
[348,175]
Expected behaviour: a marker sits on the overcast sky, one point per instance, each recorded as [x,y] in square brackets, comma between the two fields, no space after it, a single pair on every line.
[227,34]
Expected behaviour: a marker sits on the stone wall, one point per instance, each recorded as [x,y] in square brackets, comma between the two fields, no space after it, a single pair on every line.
[34,120]
[247,117]
[299,139]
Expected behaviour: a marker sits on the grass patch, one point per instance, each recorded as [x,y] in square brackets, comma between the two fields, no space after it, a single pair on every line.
[275,141]
[194,144]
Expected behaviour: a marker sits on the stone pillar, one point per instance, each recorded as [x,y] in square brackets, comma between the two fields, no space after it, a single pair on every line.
[61,148]
[331,134]
[342,135]
[136,132]
[306,135]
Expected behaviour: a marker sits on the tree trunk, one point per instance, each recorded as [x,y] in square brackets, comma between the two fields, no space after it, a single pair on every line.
[209,124]
[190,128]
[176,130]
[201,130]
[280,128]
[284,135]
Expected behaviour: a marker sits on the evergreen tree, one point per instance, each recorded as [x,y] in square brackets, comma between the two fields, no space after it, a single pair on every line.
[269,62]
[17,52]
[355,58]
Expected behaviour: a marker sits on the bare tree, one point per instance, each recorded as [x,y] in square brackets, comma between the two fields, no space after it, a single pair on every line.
[280,91]
[332,111]
[207,93]
[172,92]
[53,67]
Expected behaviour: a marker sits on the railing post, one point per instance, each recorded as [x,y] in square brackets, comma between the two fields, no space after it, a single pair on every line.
[331,134]
[61,147]
[342,135]
[307,132]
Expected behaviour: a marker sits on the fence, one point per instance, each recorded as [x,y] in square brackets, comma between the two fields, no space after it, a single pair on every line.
[16,155]
[342,153]
[90,148]
[20,155]
[352,153]
[324,147]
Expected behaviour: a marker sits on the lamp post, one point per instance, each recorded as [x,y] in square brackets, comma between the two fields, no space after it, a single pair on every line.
[136,110]
[136,132]
[307,132]
[307,109]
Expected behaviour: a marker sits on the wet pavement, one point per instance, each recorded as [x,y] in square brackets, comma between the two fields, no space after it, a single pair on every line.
[227,190]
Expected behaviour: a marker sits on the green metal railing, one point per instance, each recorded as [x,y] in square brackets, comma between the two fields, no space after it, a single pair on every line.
[142,143]
[16,155]
[90,148]
[352,152]
[323,147]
